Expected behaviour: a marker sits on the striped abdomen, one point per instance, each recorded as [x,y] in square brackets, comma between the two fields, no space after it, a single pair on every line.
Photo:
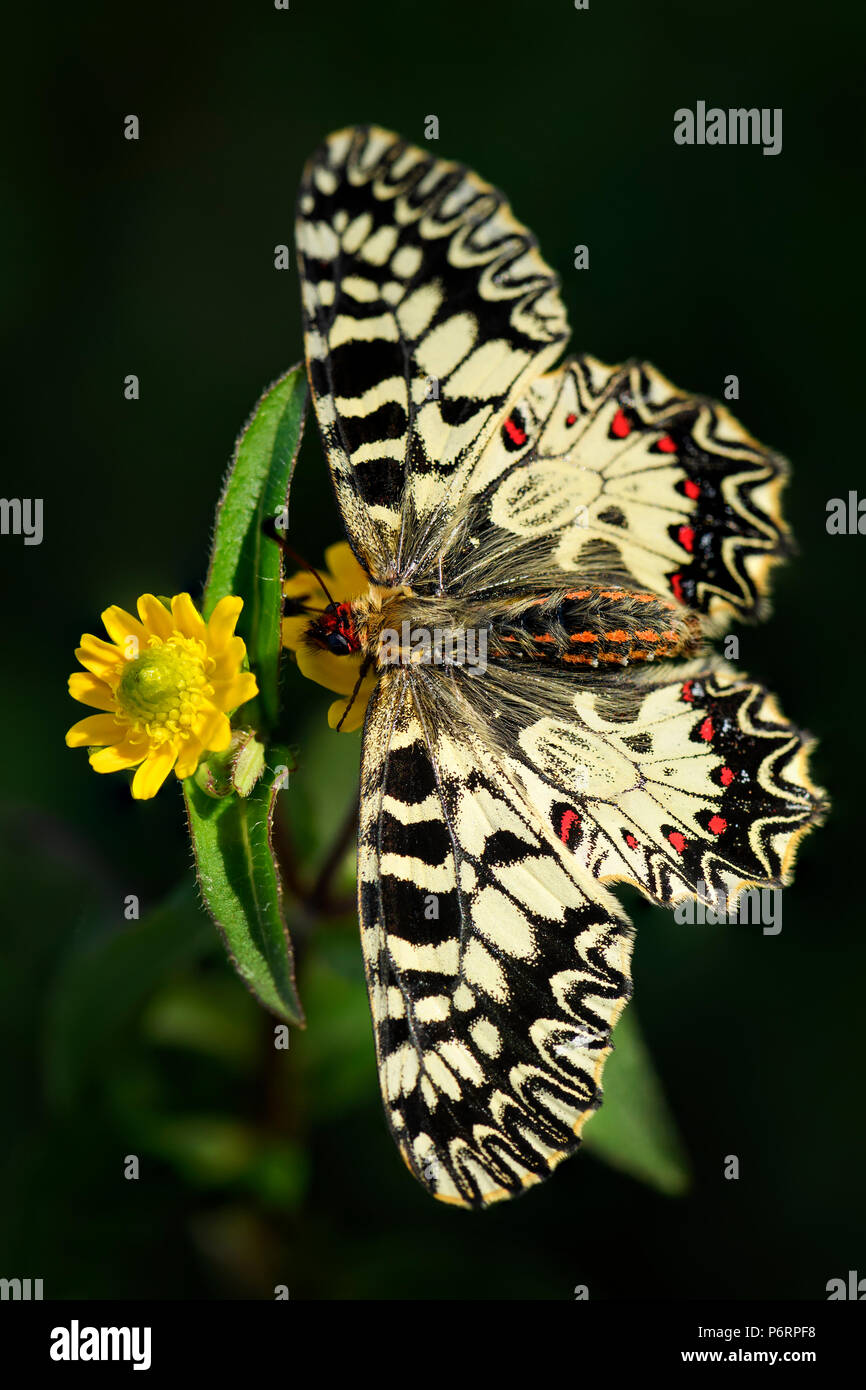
[594,626]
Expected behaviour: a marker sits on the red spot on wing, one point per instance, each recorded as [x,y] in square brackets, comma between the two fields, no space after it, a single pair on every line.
[677,586]
[666,445]
[691,489]
[620,426]
[568,820]
[706,730]
[631,841]
[727,776]
[571,419]
[677,840]
[687,691]
[686,538]
[515,433]
[717,824]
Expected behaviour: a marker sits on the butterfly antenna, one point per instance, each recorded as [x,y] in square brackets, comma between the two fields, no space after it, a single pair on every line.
[269,526]
[365,666]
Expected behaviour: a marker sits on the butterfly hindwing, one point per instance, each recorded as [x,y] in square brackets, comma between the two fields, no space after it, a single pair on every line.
[613,473]
[496,968]
[427,308]
[683,781]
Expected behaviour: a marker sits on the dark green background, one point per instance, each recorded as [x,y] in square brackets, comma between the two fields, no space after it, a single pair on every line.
[157,258]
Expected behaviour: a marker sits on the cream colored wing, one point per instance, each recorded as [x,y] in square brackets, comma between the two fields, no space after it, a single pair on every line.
[683,780]
[612,474]
[496,966]
[427,309]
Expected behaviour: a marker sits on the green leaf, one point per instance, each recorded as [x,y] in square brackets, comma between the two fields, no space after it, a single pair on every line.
[240,884]
[244,561]
[634,1129]
[231,836]
[104,983]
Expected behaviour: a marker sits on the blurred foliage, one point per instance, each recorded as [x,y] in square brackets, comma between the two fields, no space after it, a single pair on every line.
[104,983]
[147,1033]
[633,1130]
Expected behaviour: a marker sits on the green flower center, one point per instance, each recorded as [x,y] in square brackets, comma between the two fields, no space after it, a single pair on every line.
[162,690]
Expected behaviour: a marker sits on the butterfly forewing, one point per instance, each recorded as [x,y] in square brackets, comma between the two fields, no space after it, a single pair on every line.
[427,308]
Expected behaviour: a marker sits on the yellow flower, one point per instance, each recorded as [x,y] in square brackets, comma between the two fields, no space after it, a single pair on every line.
[345,580]
[166,685]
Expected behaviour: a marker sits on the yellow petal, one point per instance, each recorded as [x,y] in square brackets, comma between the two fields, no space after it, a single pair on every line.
[302,586]
[333,672]
[90,690]
[187,617]
[96,728]
[122,755]
[155,616]
[153,772]
[188,759]
[120,626]
[101,658]
[349,579]
[293,631]
[353,720]
[213,730]
[236,691]
[221,625]
[227,661]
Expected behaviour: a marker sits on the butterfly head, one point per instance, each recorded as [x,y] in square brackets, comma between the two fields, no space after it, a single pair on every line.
[334,630]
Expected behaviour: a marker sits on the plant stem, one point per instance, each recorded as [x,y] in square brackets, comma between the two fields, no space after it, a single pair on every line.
[316,899]
[320,900]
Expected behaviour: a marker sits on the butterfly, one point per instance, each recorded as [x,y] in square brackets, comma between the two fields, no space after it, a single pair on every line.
[592,528]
